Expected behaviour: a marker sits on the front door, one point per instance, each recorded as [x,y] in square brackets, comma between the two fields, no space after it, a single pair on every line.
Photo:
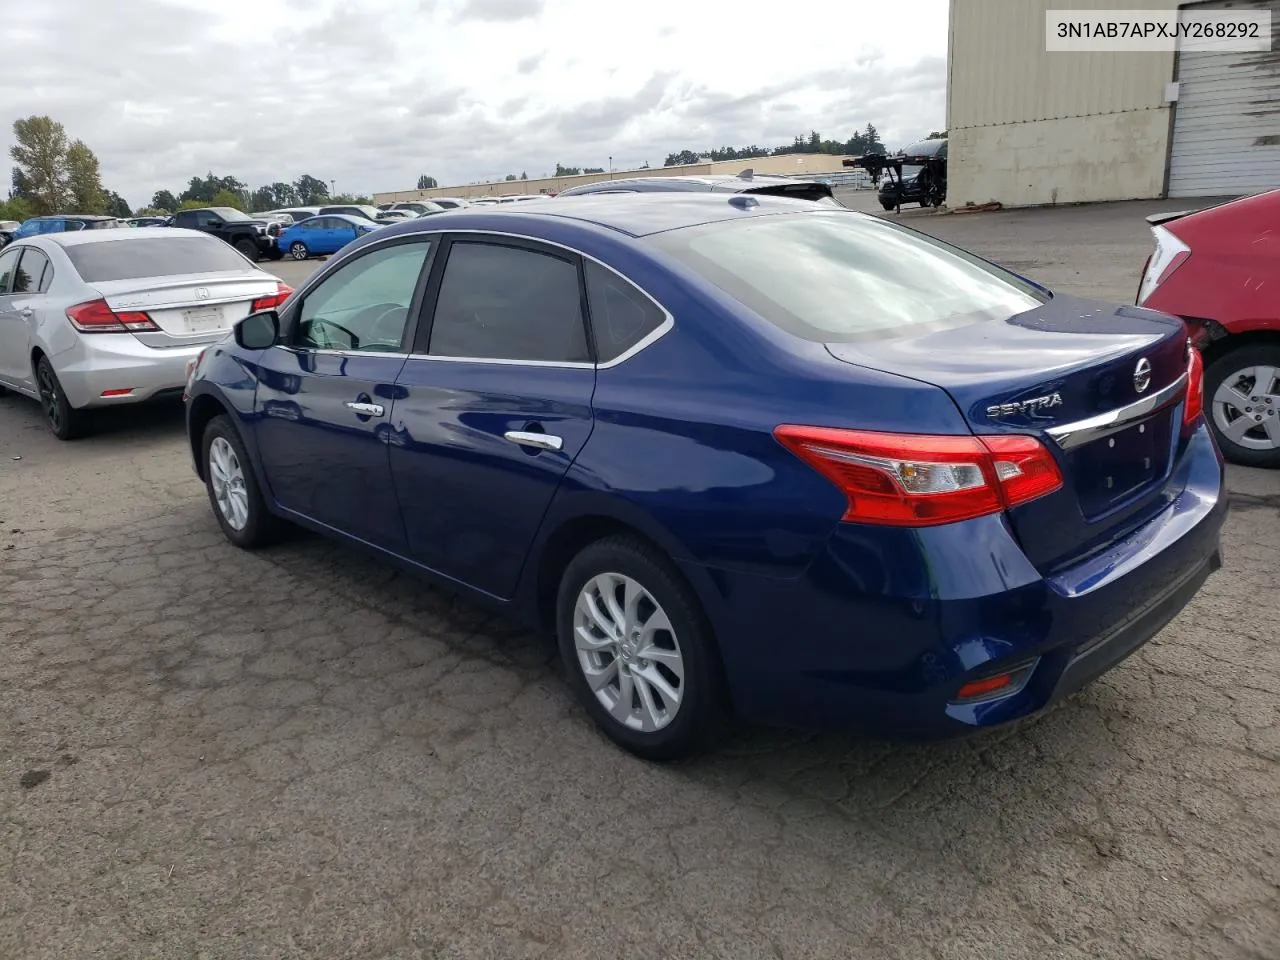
[492,408]
[23,283]
[326,396]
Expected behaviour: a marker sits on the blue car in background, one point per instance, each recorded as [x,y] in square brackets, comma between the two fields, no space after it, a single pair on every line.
[317,236]
[62,223]
[737,453]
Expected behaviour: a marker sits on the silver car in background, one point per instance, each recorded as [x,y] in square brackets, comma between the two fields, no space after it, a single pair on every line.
[100,318]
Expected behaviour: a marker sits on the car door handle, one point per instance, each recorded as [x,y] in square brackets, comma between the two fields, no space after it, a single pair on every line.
[26,312]
[537,441]
[365,409]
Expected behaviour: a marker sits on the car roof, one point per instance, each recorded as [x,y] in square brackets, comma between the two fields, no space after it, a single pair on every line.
[107,236]
[632,214]
[74,216]
[335,216]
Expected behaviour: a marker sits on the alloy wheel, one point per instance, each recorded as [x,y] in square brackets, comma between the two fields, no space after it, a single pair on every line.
[298,252]
[49,400]
[227,478]
[628,652]
[1246,408]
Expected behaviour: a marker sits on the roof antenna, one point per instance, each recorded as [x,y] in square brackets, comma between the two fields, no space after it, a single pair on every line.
[747,174]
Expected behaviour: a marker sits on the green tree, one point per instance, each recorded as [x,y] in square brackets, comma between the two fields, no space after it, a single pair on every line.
[509,177]
[262,199]
[164,200]
[310,190]
[40,151]
[117,206]
[151,212]
[523,175]
[593,169]
[20,187]
[427,183]
[873,142]
[567,171]
[15,208]
[681,159]
[227,198]
[937,135]
[84,180]
[191,205]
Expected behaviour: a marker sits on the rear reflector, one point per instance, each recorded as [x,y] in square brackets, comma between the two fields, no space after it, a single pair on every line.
[96,317]
[912,480]
[122,392]
[994,687]
[275,300]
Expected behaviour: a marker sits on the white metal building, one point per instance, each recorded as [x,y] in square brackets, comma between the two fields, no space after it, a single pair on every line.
[1027,126]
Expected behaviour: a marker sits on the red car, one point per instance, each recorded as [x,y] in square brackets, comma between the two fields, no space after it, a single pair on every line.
[1219,269]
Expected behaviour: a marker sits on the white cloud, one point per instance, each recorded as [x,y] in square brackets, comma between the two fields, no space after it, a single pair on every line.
[373,94]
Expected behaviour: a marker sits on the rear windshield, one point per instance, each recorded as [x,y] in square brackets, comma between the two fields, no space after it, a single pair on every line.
[840,277]
[818,192]
[131,258]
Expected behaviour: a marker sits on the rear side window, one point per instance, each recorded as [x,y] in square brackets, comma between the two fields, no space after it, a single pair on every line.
[131,258]
[8,263]
[508,303]
[621,316]
[34,272]
[839,277]
[799,191]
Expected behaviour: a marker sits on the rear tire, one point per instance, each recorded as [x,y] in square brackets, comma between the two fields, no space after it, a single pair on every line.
[887,206]
[1236,377]
[233,489]
[249,249]
[64,420]
[298,250]
[638,650]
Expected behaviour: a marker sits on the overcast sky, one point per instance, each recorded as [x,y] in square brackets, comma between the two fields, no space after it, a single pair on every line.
[372,93]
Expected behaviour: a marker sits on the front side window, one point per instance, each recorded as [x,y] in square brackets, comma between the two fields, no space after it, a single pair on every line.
[8,266]
[841,277]
[364,305]
[508,303]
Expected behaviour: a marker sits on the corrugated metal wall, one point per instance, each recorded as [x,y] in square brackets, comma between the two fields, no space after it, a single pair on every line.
[1000,71]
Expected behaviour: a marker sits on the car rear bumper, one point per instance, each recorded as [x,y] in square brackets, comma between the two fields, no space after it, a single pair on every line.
[883,630]
[106,362]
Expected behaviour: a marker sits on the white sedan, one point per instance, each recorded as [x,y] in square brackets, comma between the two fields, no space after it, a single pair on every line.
[101,318]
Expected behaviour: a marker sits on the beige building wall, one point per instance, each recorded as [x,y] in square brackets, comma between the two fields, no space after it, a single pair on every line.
[791,164]
[1031,127]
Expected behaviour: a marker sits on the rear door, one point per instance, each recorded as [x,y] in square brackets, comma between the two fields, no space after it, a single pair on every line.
[492,407]
[327,394]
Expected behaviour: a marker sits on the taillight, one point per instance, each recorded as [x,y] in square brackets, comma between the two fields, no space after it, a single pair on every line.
[1169,255]
[274,300]
[97,317]
[1194,406]
[911,480]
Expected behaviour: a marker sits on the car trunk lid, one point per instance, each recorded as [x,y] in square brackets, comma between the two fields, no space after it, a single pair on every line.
[190,309]
[1101,386]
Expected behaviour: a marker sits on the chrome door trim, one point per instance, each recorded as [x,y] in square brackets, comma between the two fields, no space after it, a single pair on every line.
[1072,435]
[435,236]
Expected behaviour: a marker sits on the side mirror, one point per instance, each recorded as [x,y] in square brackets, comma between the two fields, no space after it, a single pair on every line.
[258,331]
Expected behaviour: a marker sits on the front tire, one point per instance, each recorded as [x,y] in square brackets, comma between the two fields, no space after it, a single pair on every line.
[1242,402]
[638,650]
[887,206]
[298,250]
[249,249]
[234,494]
[64,420]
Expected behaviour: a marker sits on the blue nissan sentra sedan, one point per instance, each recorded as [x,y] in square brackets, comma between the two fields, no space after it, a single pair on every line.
[741,454]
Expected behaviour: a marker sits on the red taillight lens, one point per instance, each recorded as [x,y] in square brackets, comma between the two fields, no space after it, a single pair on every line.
[96,317]
[909,480]
[276,299]
[1194,406]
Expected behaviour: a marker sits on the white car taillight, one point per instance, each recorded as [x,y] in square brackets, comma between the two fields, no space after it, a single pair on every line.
[1170,254]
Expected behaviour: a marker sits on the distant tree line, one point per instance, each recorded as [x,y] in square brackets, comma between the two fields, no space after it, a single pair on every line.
[862,142]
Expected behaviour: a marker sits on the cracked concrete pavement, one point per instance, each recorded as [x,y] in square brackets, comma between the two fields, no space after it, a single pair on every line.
[305,753]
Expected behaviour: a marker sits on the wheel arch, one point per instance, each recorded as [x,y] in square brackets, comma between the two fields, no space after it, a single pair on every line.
[202,409]
[1219,348]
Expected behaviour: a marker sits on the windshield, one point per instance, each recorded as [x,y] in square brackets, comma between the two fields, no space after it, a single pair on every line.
[839,277]
[230,215]
[137,257]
